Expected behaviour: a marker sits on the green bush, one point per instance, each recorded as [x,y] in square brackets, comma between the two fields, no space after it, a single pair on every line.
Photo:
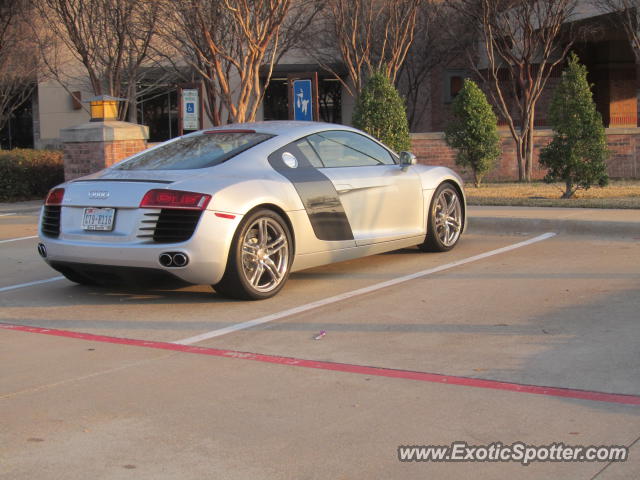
[474,131]
[381,113]
[26,174]
[577,154]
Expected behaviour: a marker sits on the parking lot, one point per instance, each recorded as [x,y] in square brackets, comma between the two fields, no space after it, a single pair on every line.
[520,334]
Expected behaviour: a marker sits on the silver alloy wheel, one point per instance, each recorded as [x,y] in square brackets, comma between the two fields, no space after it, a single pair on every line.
[448,217]
[265,254]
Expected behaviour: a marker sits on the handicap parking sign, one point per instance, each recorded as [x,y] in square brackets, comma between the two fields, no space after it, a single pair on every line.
[190,109]
[302,100]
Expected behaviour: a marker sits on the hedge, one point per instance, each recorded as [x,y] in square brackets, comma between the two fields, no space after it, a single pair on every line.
[380,112]
[27,174]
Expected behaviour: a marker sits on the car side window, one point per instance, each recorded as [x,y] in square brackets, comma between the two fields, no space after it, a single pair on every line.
[348,149]
[309,152]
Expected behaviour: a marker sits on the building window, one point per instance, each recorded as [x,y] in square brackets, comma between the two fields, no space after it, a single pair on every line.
[158,110]
[276,104]
[18,131]
[330,101]
[453,81]
[276,100]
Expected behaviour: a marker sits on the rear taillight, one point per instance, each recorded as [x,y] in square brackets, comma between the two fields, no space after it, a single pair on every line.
[55,197]
[175,199]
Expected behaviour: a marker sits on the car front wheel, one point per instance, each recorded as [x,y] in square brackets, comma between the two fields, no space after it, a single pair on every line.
[259,258]
[445,221]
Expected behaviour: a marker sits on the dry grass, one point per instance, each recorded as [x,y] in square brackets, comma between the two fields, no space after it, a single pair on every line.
[619,194]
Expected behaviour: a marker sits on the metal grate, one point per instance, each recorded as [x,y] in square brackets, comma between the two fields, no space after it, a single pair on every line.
[51,221]
[170,225]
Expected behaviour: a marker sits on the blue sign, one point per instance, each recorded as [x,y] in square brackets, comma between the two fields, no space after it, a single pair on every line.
[302,100]
[191,107]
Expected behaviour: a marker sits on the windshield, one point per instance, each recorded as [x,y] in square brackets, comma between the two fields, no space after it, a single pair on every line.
[200,151]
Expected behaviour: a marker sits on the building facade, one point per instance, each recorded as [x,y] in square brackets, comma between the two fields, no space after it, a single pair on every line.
[607,54]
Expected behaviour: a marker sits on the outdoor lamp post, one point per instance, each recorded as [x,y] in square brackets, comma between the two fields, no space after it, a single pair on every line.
[102,141]
[104,107]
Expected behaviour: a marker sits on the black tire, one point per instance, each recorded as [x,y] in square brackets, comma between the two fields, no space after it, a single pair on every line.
[444,229]
[252,273]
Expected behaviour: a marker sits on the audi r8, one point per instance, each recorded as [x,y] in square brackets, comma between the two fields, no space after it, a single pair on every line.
[242,206]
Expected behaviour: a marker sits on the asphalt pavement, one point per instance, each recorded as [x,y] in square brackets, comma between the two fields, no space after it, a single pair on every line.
[526,332]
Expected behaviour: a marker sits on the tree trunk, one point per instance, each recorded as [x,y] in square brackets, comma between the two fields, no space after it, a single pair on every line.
[529,150]
[569,191]
[519,157]
[211,107]
[476,179]
[133,111]
[129,112]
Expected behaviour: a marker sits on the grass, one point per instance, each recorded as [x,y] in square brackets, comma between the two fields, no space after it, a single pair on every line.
[619,194]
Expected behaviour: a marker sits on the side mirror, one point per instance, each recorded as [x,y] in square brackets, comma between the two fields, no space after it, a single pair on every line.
[407,159]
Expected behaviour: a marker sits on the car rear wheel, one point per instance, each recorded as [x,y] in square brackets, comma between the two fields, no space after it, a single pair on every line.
[445,221]
[259,259]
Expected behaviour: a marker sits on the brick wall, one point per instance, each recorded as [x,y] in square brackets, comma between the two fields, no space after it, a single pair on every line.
[624,161]
[83,158]
[441,112]
[625,155]
[119,150]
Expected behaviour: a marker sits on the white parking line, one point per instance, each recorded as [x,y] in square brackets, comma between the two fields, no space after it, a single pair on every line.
[354,293]
[7,214]
[18,239]
[30,284]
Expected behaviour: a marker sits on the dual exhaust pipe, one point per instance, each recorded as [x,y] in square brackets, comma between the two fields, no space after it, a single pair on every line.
[173,259]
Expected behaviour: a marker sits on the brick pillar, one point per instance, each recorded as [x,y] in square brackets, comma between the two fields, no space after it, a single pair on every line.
[93,146]
[623,100]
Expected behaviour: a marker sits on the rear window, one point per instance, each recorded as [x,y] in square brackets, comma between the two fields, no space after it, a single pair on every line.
[200,151]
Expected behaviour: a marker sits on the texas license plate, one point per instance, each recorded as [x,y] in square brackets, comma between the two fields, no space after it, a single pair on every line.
[98,219]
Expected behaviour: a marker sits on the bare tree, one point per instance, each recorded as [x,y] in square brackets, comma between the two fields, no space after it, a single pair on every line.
[627,14]
[233,46]
[365,35]
[17,63]
[110,38]
[433,47]
[520,46]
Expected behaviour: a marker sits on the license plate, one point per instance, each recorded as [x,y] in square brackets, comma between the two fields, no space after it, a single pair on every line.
[98,219]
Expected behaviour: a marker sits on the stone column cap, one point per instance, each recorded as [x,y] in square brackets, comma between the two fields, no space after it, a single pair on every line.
[108,131]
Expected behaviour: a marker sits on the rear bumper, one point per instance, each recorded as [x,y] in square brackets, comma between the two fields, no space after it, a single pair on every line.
[118,275]
[207,251]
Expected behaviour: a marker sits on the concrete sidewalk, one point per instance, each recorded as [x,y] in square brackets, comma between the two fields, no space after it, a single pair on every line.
[590,221]
[29,206]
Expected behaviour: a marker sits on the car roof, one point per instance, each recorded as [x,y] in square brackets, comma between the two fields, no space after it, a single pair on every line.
[285,128]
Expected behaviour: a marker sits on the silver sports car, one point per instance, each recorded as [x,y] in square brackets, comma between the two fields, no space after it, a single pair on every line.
[240,207]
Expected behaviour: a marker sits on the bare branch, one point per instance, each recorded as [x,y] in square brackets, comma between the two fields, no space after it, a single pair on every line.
[17,64]
[227,42]
[522,42]
[111,39]
[627,14]
[365,35]
[433,47]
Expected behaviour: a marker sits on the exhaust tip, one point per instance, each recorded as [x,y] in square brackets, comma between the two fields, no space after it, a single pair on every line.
[173,259]
[180,259]
[42,250]
[165,259]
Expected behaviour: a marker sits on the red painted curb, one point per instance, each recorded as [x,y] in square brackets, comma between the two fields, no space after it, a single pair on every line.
[344,367]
